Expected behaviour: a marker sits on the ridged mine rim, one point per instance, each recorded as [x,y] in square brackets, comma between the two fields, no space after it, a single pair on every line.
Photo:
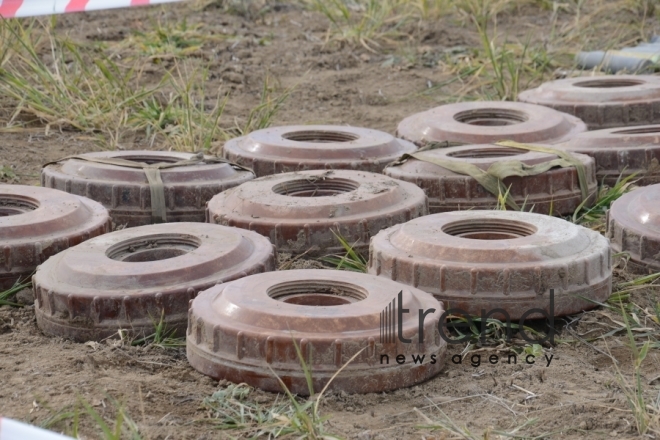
[153,247]
[608,83]
[491,117]
[320,136]
[485,153]
[15,205]
[489,229]
[317,293]
[314,187]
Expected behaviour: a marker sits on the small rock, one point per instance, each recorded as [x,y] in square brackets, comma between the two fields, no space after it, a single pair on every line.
[365,435]
[262,399]
[376,99]
[205,380]
[235,68]
[25,297]
[233,77]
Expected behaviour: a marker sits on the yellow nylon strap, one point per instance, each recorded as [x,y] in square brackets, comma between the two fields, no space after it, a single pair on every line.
[158,206]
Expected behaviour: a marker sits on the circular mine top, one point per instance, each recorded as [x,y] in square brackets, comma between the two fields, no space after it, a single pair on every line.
[485,122]
[126,193]
[556,189]
[620,152]
[129,278]
[634,227]
[301,147]
[36,223]
[300,210]
[478,260]
[602,101]
[239,329]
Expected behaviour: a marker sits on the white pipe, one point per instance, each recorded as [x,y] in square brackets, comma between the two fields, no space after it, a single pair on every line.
[13,430]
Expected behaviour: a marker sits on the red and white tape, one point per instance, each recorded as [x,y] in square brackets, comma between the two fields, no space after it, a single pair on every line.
[30,8]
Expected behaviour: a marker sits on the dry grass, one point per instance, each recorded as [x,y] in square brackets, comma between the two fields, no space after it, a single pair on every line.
[66,85]
[505,64]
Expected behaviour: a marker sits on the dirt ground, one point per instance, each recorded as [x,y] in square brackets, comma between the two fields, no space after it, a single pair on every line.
[42,378]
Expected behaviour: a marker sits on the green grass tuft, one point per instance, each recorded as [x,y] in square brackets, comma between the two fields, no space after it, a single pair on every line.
[351,260]
[17,287]
[161,337]
[594,216]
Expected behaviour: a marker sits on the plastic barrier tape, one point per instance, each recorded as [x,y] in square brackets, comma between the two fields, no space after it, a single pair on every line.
[30,8]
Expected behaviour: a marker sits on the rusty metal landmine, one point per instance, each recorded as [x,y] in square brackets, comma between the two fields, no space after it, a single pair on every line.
[126,191]
[36,223]
[621,152]
[474,260]
[131,279]
[248,329]
[299,211]
[557,189]
[603,101]
[485,122]
[296,148]
[633,227]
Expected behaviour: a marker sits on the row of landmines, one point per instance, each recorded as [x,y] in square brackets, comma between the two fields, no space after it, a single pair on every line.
[421,221]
